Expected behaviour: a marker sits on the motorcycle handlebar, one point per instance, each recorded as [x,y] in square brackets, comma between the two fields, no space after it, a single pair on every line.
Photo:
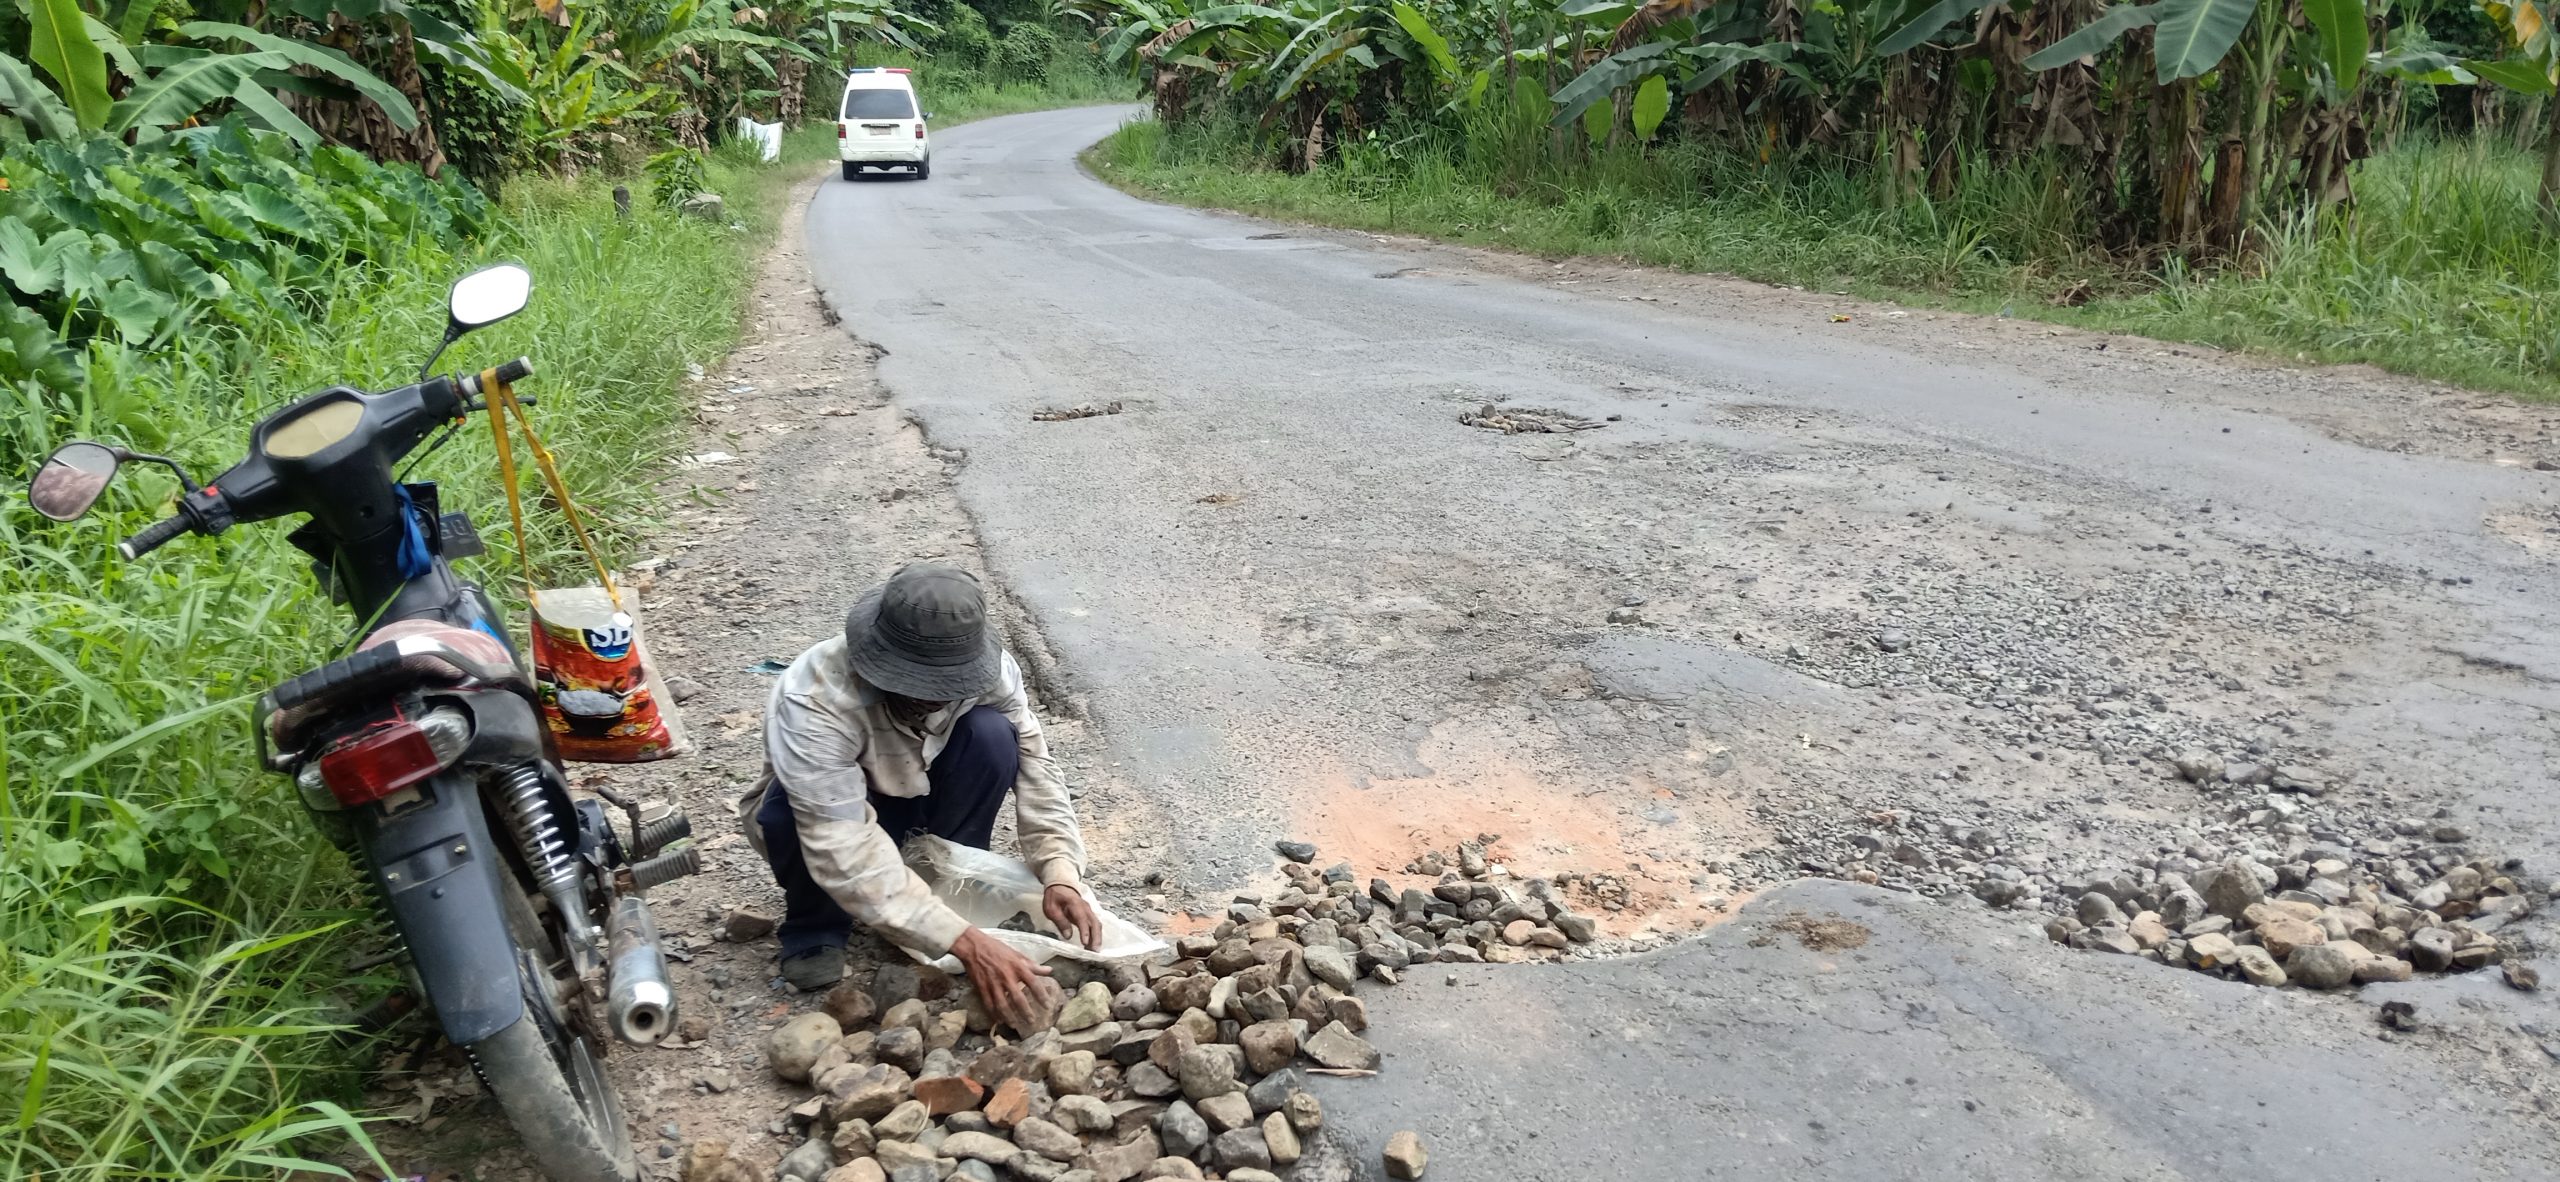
[212,512]
[154,536]
[508,373]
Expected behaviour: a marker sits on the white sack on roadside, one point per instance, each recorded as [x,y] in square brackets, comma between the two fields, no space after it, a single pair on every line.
[988,889]
[766,135]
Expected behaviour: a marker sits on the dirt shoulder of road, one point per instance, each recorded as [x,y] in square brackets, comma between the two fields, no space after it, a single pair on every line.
[801,486]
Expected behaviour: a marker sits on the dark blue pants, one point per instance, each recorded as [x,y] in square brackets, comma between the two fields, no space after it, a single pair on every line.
[968,780]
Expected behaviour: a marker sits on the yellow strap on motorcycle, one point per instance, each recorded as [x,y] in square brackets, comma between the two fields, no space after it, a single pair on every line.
[501,398]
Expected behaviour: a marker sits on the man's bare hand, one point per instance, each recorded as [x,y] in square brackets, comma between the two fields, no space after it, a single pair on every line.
[1071,915]
[1006,980]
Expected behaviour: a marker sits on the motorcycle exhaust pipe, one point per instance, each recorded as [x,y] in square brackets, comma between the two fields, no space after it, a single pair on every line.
[640,1003]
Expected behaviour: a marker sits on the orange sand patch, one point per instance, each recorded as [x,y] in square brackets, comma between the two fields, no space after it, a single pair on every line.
[1546,824]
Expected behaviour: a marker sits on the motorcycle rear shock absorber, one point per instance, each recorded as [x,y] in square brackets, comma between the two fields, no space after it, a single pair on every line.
[546,854]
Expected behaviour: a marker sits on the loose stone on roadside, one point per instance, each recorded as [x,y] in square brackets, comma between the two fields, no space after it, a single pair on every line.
[1405,1157]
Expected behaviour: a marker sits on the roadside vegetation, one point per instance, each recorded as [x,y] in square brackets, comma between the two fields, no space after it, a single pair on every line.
[206,214]
[2323,180]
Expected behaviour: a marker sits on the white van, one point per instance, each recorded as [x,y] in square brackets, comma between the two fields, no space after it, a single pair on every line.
[879,124]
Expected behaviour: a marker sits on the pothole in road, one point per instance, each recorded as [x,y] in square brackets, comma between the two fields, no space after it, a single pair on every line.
[1583,838]
[1527,420]
[1827,933]
[1081,410]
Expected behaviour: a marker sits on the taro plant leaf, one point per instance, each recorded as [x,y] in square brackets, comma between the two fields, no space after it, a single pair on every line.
[1926,25]
[1653,102]
[2092,38]
[1605,77]
[1434,46]
[2193,35]
[85,273]
[28,348]
[136,311]
[174,272]
[316,57]
[58,39]
[2344,41]
[21,92]
[224,216]
[32,266]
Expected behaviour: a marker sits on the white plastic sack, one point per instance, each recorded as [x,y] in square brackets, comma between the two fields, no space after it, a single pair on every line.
[767,135]
[989,889]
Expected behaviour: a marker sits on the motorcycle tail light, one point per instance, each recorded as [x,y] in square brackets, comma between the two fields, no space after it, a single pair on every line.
[384,758]
[372,764]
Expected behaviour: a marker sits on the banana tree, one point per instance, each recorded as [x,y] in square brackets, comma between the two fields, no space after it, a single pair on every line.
[2533,69]
[1666,49]
[572,96]
[2208,37]
[167,85]
[1167,44]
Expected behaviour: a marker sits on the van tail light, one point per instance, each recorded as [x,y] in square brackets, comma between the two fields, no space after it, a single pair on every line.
[919,129]
[842,131]
[364,766]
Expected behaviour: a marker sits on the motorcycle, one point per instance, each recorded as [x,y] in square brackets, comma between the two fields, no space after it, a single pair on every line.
[423,755]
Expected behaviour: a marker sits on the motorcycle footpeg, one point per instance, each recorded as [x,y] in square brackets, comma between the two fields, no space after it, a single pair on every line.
[654,833]
[664,868]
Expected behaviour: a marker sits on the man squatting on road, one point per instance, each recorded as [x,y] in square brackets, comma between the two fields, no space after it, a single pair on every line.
[914,721]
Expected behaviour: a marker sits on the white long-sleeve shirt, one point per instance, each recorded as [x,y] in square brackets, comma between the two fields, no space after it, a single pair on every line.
[831,740]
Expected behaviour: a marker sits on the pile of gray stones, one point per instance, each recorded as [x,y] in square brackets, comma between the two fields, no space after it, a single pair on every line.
[1474,912]
[2319,918]
[2289,881]
[1191,1066]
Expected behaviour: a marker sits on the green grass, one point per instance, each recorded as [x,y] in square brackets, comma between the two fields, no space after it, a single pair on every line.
[2439,270]
[174,935]
[172,930]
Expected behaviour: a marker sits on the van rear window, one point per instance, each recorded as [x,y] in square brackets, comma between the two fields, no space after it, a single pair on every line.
[878,104]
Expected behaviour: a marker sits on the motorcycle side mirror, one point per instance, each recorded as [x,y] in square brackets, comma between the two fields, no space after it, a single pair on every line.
[480,299]
[489,295]
[72,479]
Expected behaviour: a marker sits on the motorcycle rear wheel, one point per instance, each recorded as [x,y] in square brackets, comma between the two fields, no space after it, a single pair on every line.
[548,1079]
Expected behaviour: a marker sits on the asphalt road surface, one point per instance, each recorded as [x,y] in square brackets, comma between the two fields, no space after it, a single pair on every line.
[1940,1047]
[1799,572]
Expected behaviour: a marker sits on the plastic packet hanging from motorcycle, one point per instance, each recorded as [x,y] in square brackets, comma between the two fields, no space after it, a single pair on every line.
[601,698]
[600,695]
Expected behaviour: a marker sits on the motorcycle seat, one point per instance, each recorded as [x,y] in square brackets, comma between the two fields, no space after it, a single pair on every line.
[398,657]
